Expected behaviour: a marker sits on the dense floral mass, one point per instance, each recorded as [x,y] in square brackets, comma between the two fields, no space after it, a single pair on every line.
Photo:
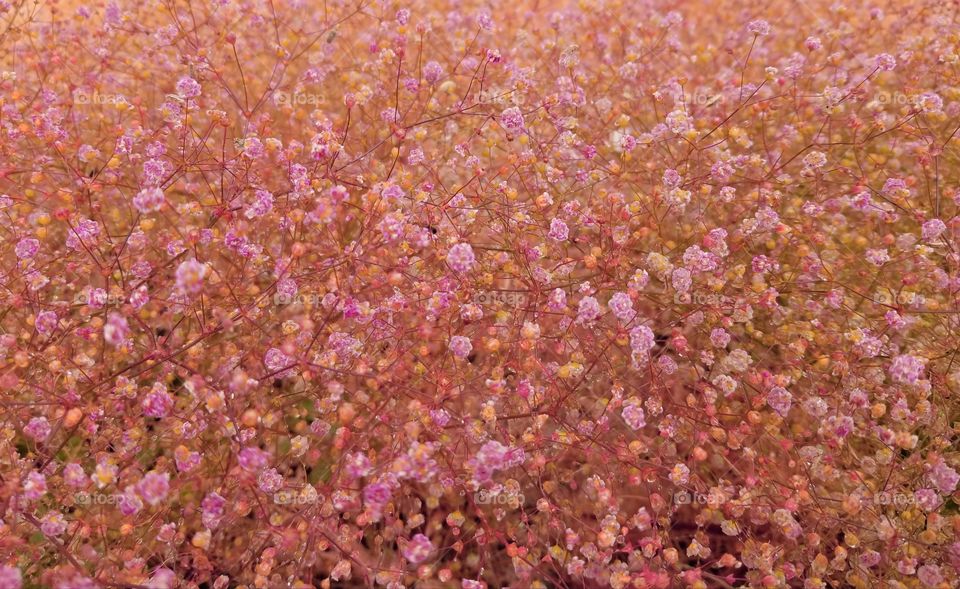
[442,293]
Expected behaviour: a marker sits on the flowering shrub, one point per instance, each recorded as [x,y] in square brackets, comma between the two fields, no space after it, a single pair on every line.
[468,294]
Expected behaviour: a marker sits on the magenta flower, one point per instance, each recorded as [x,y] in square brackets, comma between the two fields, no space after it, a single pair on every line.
[780,400]
[46,322]
[634,416]
[148,200]
[512,120]
[460,346]
[158,403]
[932,229]
[432,72]
[27,248]
[588,310]
[907,369]
[558,230]
[190,275]
[417,549]
[10,578]
[460,258]
[38,429]
[759,27]
[153,487]
[187,87]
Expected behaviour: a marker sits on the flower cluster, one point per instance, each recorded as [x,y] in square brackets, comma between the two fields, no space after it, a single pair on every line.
[436,293]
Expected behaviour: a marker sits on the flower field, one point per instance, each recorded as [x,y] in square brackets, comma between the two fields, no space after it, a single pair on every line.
[479,294]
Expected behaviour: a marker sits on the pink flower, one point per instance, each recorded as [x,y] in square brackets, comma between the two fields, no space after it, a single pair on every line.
[376,494]
[270,481]
[927,499]
[557,300]
[10,578]
[460,346]
[37,429]
[116,330]
[418,549]
[622,307]
[163,578]
[460,258]
[492,457]
[485,21]
[930,575]
[393,192]
[27,248]
[870,558]
[633,414]
[153,487]
[74,476]
[129,503]
[878,256]
[512,120]
[932,229]
[253,459]
[944,478]
[53,524]
[672,178]
[148,200]
[681,280]
[907,369]
[779,399]
[558,230]
[213,509]
[642,339]
[46,322]
[190,276]
[253,147]
[885,62]
[759,27]
[930,102]
[158,402]
[34,486]
[357,465]
[279,364]
[261,205]
[679,474]
[588,310]
[719,337]
[432,72]
[187,87]
[415,156]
